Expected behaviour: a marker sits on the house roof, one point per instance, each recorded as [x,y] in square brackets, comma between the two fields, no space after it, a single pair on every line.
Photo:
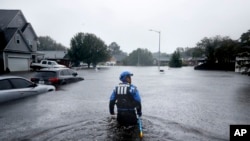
[6,16]
[32,30]
[5,37]
[7,33]
[54,54]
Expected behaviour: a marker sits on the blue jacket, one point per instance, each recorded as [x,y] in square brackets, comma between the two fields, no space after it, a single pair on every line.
[126,97]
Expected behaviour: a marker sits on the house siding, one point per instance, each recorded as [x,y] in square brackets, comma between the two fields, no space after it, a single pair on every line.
[30,37]
[1,63]
[15,46]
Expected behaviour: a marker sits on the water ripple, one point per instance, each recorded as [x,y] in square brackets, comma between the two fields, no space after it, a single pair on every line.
[106,129]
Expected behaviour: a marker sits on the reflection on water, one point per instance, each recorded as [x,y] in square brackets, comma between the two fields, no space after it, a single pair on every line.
[179,104]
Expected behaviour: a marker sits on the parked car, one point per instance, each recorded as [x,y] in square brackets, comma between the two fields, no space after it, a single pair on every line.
[46,64]
[14,87]
[55,76]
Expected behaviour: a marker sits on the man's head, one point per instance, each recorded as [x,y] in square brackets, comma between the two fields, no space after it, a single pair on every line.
[126,76]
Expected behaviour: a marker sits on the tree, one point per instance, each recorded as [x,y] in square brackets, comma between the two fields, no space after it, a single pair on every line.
[197,52]
[88,48]
[114,48]
[139,57]
[227,51]
[209,45]
[115,51]
[175,60]
[47,43]
[245,39]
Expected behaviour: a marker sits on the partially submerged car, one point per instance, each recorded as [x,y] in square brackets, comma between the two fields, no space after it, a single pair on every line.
[55,76]
[14,87]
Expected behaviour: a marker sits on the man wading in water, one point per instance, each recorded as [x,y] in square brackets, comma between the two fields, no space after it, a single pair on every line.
[127,99]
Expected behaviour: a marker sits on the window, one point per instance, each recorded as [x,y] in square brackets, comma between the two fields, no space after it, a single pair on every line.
[53,63]
[30,43]
[17,39]
[70,72]
[44,62]
[5,85]
[67,72]
[45,74]
[64,72]
[20,83]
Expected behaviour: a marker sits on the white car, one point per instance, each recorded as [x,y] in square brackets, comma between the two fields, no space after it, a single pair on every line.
[14,87]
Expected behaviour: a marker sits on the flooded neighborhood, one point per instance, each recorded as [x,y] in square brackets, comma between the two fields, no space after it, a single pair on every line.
[152,70]
[179,104]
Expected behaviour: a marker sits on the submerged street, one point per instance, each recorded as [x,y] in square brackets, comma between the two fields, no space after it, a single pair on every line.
[179,104]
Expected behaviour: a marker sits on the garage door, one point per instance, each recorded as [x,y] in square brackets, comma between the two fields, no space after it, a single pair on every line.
[18,64]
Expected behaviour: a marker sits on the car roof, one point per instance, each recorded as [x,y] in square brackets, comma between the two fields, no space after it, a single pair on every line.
[9,77]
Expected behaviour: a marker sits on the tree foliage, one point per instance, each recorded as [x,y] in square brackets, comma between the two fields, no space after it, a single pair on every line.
[175,60]
[218,48]
[115,51]
[114,48]
[139,57]
[47,43]
[245,39]
[88,48]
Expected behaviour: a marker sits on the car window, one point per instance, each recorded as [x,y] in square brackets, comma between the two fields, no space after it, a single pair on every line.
[53,63]
[20,83]
[61,73]
[49,63]
[5,85]
[70,72]
[45,74]
[65,72]
[43,62]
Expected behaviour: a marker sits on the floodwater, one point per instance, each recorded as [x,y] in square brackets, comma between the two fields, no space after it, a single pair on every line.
[180,104]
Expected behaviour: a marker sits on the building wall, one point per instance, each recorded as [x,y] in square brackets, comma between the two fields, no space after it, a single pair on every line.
[1,63]
[30,38]
[241,64]
[17,61]
[17,43]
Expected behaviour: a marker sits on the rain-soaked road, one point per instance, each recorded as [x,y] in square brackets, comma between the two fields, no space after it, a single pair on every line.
[180,104]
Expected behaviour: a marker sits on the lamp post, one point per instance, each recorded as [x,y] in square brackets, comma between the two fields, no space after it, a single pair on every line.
[159,32]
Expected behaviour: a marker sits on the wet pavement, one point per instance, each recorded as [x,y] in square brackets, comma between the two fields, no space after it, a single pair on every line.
[179,104]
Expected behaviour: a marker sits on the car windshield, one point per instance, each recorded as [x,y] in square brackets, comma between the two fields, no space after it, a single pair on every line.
[45,74]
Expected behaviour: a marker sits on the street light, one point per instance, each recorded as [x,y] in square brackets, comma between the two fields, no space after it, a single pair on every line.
[159,32]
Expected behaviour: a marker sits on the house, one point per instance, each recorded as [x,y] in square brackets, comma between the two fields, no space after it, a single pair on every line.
[163,60]
[242,63]
[18,42]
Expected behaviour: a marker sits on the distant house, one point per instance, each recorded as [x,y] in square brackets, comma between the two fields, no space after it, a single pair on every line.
[242,63]
[53,54]
[163,60]
[111,62]
[18,42]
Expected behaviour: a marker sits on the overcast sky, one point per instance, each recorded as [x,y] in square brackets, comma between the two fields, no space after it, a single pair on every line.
[182,23]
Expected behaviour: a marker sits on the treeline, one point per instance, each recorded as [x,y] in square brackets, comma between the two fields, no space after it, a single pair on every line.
[47,43]
[218,49]
[89,48]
